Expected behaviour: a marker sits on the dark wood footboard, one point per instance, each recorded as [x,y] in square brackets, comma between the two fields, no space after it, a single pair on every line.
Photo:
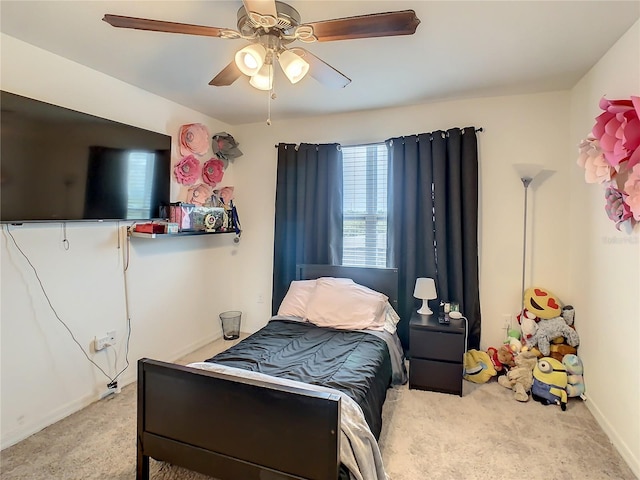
[234,428]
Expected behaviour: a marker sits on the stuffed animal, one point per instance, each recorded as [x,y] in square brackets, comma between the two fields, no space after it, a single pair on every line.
[513,340]
[542,303]
[520,377]
[526,313]
[552,328]
[575,381]
[505,355]
[550,382]
[501,357]
[529,330]
[568,313]
[559,350]
[478,367]
[514,344]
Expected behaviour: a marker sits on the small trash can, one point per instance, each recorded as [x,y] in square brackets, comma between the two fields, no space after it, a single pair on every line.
[230,324]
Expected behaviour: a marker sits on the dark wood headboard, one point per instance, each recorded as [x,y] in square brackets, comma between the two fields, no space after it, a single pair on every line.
[383,280]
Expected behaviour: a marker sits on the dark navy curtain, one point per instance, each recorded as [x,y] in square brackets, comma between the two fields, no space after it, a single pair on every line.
[433,221]
[308,222]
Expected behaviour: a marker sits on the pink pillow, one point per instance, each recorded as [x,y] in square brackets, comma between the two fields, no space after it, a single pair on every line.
[295,301]
[346,306]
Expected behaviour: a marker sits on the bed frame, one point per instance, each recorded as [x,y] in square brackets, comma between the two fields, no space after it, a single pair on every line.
[237,428]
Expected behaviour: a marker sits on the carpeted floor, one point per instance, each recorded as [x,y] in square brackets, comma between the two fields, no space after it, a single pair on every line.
[485,434]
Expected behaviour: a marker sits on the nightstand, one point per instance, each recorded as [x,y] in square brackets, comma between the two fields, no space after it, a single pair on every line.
[436,354]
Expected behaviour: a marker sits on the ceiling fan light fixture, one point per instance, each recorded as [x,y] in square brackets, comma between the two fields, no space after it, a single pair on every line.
[293,65]
[251,58]
[263,80]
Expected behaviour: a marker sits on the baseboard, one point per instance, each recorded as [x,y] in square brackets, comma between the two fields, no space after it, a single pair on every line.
[195,346]
[18,434]
[625,452]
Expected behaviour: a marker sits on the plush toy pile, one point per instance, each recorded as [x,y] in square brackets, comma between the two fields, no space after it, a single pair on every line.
[541,359]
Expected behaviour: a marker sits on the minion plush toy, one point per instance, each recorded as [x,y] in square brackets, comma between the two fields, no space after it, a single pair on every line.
[550,382]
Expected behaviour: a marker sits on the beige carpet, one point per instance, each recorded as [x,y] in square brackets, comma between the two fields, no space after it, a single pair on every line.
[483,435]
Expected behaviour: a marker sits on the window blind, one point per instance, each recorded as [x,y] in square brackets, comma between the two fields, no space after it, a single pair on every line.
[365,205]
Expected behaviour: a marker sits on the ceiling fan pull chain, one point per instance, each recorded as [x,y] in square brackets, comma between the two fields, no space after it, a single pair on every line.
[269,106]
[272,96]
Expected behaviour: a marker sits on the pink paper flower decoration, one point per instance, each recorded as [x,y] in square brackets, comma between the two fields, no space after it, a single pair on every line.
[226,194]
[596,168]
[632,190]
[617,210]
[213,171]
[187,170]
[199,194]
[612,157]
[194,138]
[618,129]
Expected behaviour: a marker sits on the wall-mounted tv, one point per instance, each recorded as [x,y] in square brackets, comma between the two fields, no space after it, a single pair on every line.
[62,165]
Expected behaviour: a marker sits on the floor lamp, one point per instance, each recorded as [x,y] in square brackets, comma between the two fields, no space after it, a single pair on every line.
[527,172]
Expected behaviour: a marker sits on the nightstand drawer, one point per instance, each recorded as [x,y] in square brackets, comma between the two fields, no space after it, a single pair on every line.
[436,376]
[436,345]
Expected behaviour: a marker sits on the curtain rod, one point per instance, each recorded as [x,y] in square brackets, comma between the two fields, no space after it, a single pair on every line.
[480,129]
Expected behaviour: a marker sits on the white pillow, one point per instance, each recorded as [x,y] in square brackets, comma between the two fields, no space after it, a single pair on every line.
[391,319]
[346,306]
[295,301]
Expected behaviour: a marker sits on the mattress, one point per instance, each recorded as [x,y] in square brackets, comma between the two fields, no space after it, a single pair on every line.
[354,362]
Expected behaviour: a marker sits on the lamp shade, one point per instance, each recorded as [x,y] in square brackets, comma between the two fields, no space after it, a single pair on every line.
[251,58]
[263,80]
[425,290]
[528,171]
[293,65]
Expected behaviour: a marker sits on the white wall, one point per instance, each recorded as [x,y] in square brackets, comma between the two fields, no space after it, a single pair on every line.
[605,264]
[527,128]
[176,286]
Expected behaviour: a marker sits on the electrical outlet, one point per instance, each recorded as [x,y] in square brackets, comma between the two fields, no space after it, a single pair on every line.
[112,389]
[108,340]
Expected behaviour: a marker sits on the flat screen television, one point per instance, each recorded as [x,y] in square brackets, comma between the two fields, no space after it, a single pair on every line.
[60,165]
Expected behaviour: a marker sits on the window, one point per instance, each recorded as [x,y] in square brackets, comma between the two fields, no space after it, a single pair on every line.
[365,205]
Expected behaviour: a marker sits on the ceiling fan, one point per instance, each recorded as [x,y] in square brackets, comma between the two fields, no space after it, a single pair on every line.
[271,26]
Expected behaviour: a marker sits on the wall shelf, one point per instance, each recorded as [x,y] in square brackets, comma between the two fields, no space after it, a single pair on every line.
[171,235]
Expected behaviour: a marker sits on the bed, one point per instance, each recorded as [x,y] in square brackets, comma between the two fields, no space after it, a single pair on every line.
[244,415]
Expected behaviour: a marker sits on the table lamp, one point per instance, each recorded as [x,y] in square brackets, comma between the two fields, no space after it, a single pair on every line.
[425,290]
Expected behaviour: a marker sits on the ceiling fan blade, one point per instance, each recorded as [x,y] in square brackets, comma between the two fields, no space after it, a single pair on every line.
[227,75]
[322,71]
[263,7]
[388,24]
[169,27]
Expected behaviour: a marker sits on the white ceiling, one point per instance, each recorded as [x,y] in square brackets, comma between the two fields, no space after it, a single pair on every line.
[461,49]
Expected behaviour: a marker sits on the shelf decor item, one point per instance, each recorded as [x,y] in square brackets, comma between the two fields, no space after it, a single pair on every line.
[194,139]
[610,156]
[225,146]
[213,171]
[187,171]
[179,213]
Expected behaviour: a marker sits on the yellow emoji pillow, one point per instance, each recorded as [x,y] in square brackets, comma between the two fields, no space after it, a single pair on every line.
[542,303]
